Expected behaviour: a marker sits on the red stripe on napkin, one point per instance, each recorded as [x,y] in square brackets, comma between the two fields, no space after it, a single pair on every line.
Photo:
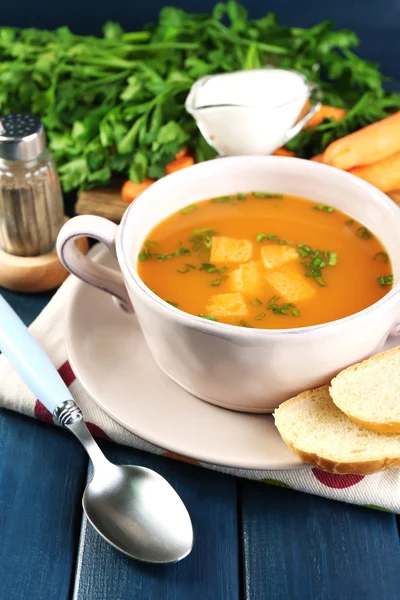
[67,374]
[68,377]
[97,431]
[191,461]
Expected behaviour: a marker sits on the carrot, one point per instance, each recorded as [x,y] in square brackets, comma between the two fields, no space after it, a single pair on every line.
[318,158]
[283,152]
[366,146]
[325,112]
[182,152]
[130,190]
[384,174]
[178,164]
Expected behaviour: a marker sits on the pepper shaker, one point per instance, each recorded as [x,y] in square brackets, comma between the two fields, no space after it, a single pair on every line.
[31,203]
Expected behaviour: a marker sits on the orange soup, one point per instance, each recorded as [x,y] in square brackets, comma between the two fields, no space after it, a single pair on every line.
[269,261]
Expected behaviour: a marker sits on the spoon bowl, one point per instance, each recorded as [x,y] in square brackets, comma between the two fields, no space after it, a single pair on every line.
[139,513]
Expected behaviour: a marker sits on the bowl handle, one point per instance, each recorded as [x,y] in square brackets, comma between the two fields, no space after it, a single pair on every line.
[75,262]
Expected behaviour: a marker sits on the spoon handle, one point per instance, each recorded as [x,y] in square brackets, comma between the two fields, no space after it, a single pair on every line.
[30,360]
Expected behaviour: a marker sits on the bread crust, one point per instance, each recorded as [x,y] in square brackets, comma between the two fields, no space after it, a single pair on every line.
[351,468]
[366,467]
[376,426]
[388,427]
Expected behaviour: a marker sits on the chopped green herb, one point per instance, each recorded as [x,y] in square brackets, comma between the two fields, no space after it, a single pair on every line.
[279,309]
[180,252]
[324,208]
[188,209]
[175,304]
[202,238]
[265,236]
[208,267]
[260,316]
[219,280]
[381,257]
[151,244]
[256,302]
[266,195]
[208,317]
[187,268]
[295,312]
[206,230]
[349,222]
[385,280]
[316,260]
[242,196]
[332,259]
[244,323]
[363,233]
[212,268]
[284,242]
[320,280]
[145,255]
[154,291]
[223,199]
[207,241]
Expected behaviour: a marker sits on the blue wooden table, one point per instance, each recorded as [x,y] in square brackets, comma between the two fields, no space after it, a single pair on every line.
[253,541]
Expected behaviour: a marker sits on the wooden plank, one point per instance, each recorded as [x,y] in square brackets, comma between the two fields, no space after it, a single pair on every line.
[42,477]
[303,547]
[210,572]
[103,202]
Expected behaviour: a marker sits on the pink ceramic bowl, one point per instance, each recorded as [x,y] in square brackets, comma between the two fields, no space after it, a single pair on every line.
[240,368]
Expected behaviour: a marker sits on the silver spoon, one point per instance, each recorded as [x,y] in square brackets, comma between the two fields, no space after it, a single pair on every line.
[133,508]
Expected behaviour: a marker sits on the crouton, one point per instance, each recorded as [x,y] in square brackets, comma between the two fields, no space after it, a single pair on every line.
[275,256]
[289,284]
[247,278]
[230,250]
[227,306]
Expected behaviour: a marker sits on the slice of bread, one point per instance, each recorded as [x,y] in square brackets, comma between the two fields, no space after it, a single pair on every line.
[315,429]
[369,392]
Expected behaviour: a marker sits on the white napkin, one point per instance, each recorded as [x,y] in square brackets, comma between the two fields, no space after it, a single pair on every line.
[380,491]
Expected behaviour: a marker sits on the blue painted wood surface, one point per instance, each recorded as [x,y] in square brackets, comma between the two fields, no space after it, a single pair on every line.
[212,569]
[42,476]
[301,547]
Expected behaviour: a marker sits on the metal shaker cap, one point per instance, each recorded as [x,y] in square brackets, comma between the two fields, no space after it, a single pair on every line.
[22,137]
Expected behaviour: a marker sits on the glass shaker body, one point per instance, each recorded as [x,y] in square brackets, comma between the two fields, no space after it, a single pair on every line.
[31,205]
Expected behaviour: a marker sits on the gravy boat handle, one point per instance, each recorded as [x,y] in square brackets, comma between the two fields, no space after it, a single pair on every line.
[315,98]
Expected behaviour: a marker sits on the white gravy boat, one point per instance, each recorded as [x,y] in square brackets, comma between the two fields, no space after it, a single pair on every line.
[251,112]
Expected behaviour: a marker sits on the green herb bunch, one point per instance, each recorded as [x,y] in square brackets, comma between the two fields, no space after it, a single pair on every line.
[116,104]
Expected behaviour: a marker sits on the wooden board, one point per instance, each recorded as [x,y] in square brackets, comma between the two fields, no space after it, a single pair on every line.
[103,202]
[107,202]
[32,274]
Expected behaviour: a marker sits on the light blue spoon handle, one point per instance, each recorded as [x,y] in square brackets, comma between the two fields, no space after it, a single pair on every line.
[29,360]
